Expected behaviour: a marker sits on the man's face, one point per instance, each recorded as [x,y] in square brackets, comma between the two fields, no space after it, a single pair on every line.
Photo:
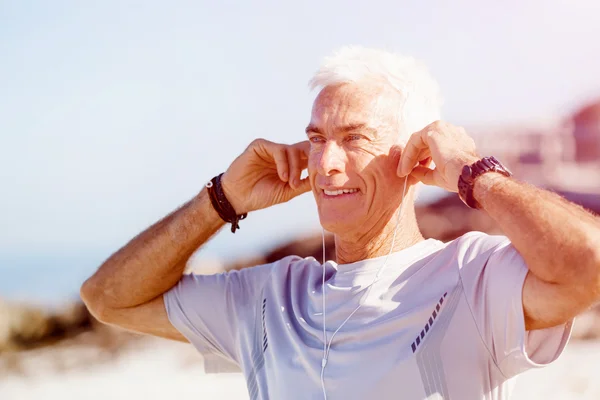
[352,165]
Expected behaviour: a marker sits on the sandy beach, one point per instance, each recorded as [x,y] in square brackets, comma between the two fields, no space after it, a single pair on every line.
[158,369]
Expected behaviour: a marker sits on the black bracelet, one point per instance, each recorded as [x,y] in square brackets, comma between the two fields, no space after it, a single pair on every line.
[221,205]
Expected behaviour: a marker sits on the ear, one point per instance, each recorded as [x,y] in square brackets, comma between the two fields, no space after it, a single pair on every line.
[396,152]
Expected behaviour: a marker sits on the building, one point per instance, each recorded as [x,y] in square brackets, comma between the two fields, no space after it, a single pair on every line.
[558,154]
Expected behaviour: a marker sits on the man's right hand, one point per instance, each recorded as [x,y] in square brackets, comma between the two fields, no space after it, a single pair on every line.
[266,174]
[128,289]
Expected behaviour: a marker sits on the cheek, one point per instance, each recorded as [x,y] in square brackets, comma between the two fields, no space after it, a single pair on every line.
[379,173]
[363,164]
[313,171]
[360,162]
[313,163]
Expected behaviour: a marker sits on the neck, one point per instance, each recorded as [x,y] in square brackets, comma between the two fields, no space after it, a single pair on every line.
[377,242]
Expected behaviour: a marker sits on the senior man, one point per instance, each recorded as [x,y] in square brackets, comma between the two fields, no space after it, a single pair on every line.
[395,316]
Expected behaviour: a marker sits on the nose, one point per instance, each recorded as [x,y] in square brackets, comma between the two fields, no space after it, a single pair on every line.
[331,160]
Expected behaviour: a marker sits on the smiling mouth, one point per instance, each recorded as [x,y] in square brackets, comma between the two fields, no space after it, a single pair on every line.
[339,192]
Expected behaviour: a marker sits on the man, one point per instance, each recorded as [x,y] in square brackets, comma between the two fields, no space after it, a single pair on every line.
[396,316]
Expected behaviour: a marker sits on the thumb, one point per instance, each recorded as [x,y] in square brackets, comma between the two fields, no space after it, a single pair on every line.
[290,192]
[303,187]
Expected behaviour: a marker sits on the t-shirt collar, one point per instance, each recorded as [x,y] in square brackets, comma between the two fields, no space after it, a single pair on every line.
[400,259]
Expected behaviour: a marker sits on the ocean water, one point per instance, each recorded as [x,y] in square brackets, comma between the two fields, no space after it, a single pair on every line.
[51,278]
[45,278]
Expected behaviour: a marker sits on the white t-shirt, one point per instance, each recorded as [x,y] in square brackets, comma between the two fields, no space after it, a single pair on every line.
[445,320]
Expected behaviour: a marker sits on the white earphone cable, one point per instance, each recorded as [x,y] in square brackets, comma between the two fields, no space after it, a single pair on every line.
[327,346]
[323,361]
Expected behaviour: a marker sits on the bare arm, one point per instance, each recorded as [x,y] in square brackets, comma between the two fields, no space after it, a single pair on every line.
[127,289]
[135,277]
[559,241]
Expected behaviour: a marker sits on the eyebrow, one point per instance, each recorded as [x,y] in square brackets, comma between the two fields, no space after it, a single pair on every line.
[342,129]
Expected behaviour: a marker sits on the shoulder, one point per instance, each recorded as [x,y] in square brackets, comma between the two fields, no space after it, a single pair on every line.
[290,272]
[292,261]
[480,255]
[473,246]
[292,265]
[283,266]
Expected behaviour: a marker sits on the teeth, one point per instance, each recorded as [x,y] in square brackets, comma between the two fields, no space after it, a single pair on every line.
[340,191]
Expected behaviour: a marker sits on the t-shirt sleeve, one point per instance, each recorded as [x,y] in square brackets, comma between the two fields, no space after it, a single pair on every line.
[493,273]
[209,310]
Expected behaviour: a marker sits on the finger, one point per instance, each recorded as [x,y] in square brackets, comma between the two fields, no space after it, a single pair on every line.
[304,147]
[410,155]
[421,156]
[303,186]
[297,162]
[289,192]
[280,156]
[426,175]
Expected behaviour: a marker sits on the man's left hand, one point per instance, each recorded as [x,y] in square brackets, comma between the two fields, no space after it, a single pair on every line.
[450,149]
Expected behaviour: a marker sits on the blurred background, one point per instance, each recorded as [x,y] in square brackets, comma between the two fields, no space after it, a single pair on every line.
[114,113]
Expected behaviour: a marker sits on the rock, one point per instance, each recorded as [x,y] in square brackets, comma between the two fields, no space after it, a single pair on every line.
[23,327]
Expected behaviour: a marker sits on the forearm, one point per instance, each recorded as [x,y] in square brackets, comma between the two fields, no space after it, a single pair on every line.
[152,262]
[558,240]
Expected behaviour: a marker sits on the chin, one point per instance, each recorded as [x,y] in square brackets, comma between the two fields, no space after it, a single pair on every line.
[337,223]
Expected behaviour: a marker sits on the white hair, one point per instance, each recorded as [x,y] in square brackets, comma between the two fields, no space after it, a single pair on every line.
[421,94]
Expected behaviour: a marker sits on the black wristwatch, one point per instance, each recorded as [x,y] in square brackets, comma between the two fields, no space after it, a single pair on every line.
[466,181]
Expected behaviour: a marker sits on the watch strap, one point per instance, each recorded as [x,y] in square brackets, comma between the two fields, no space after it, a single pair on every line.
[466,181]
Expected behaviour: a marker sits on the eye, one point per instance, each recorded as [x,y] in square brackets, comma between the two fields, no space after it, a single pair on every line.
[353,138]
[316,139]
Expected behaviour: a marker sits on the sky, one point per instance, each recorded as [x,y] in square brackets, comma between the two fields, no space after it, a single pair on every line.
[114,113]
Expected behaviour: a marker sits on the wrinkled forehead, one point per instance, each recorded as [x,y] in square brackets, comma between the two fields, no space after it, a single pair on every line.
[372,104]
